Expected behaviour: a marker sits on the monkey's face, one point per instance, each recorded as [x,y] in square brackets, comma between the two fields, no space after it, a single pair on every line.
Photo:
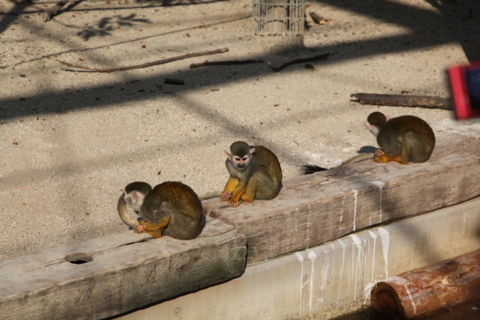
[134,200]
[373,129]
[241,162]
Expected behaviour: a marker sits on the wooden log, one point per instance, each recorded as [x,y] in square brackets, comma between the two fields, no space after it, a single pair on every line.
[398,100]
[311,210]
[120,273]
[317,18]
[430,290]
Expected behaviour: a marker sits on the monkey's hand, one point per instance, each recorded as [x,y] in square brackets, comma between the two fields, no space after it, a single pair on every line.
[139,229]
[379,153]
[225,196]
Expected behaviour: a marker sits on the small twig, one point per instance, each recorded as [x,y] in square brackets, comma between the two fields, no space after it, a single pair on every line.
[224,62]
[317,18]
[314,58]
[149,64]
[397,100]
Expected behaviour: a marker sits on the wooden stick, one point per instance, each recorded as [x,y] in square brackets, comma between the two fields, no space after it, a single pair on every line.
[314,58]
[224,62]
[398,100]
[317,18]
[148,64]
[430,290]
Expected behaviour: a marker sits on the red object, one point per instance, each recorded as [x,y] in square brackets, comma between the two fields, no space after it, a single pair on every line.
[464,107]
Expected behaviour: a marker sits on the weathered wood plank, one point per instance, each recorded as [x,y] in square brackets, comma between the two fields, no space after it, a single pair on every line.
[313,209]
[127,271]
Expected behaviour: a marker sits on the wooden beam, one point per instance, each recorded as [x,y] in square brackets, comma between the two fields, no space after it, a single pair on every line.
[313,209]
[126,271]
[430,290]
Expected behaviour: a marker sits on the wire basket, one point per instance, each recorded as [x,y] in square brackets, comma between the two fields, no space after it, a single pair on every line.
[279,19]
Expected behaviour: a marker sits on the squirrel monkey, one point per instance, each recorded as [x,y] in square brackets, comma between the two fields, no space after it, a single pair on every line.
[255,173]
[403,139]
[171,209]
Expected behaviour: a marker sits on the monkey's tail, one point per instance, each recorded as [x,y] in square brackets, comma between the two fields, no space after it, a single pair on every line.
[210,195]
[122,212]
[358,158]
[310,168]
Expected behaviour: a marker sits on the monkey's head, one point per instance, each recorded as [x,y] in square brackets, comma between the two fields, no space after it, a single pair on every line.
[375,121]
[135,192]
[240,154]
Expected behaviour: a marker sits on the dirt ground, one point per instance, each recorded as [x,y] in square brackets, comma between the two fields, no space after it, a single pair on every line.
[71,140]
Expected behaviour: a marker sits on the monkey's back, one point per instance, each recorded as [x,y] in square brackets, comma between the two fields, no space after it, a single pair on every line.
[270,183]
[392,134]
[181,203]
[270,161]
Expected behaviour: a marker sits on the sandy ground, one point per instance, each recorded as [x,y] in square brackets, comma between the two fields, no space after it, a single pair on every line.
[71,140]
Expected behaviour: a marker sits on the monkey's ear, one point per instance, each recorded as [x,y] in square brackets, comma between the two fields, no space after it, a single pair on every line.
[228,154]
[252,151]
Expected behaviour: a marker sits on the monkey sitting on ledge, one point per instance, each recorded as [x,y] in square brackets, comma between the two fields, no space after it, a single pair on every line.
[403,139]
[171,208]
[255,173]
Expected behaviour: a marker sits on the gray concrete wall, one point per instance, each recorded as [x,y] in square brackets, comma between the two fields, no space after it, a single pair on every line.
[334,278]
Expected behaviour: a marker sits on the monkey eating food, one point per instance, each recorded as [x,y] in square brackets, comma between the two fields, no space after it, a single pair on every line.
[171,208]
[255,173]
[403,139]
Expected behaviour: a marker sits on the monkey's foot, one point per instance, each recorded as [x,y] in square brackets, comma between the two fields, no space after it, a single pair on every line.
[139,229]
[225,195]
[234,204]
[387,158]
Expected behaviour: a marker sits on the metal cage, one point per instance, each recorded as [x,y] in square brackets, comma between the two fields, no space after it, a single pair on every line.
[278,19]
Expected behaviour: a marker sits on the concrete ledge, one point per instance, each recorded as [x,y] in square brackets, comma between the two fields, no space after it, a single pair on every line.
[334,278]
[311,210]
[127,271]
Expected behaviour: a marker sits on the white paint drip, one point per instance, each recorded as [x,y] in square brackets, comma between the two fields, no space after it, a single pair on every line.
[380,186]
[325,266]
[385,237]
[355,196]
[358,243]
[404,283]
[312,256]
[464,222]
[300,258]
[374,237]
[341,269]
